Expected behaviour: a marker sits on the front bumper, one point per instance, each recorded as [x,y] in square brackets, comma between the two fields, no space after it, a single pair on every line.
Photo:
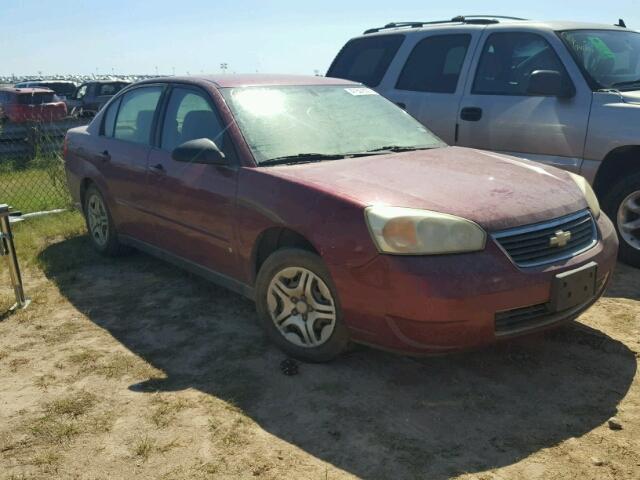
[431,304]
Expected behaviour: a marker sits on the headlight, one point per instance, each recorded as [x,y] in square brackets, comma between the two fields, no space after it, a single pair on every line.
[408,231]
[588,192]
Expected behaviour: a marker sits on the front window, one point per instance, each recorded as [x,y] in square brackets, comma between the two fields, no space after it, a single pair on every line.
[609,58]
[290,121]
[509,58]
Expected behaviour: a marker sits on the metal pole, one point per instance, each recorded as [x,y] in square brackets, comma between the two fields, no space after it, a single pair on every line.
[8,249]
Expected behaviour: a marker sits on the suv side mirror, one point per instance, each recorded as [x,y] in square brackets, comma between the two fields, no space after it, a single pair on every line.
[549,83]
[200,150]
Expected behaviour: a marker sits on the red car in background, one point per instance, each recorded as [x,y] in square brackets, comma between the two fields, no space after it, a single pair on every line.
[20,105]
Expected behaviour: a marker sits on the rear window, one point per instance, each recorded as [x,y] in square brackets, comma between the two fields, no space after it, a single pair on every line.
[366,59]
[35,98]
[110,88]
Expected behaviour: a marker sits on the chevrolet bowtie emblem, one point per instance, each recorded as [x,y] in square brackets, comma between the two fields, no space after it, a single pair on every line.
[560,239]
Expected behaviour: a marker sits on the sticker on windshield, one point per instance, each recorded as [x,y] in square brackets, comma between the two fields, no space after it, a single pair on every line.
[360,91]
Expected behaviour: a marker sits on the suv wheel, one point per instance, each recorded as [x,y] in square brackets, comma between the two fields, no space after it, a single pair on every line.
[622,204]
[298,306]
[100,227]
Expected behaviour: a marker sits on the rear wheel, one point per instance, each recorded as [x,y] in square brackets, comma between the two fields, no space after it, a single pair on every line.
[622,204]
[100,226]
[298,306]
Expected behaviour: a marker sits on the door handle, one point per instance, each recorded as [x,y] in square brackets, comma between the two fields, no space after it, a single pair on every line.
[158,168]
[105,156]
[471,114]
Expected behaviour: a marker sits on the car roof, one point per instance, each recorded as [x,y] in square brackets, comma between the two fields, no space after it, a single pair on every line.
[26,91]
[105,81]
[488,22]
[250,80]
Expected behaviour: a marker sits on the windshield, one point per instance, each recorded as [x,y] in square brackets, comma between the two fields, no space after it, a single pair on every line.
[611,58]
[289,121]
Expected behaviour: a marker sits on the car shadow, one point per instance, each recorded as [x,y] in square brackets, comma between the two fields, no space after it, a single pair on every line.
[370,413]
[625,283]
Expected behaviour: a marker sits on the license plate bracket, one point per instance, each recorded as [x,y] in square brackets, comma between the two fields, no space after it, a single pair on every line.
[574,287]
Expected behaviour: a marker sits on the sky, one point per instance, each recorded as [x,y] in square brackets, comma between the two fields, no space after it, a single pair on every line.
[47,37]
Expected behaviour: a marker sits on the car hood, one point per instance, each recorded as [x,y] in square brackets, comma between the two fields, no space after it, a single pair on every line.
[632,97]
[494,190]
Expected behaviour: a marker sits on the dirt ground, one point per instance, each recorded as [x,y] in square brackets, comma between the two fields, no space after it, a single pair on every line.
[129,368]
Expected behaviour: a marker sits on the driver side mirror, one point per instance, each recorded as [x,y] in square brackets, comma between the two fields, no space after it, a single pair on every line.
[550,83]
[200,150]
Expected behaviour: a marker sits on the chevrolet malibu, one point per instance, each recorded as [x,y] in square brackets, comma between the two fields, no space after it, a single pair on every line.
[339,214]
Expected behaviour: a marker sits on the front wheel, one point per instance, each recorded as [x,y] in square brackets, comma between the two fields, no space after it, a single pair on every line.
[622,204]
[298,306]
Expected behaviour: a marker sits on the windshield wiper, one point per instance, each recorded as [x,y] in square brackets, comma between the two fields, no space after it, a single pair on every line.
[396,148]
[301,158]
[626,84]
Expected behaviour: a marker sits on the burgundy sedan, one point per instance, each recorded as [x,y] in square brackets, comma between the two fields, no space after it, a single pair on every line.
[338,213]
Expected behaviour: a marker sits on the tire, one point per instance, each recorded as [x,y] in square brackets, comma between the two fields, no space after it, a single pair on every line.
[616,202]
[294,288]
[100,226]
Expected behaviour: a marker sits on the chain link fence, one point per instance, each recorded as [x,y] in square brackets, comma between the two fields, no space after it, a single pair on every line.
[32,174]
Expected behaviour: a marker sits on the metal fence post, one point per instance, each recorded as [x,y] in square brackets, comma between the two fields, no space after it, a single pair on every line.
[7,248]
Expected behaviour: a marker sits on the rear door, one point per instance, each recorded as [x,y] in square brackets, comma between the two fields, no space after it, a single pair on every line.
[426,77]
[497,113]
[121,156]
[193,203]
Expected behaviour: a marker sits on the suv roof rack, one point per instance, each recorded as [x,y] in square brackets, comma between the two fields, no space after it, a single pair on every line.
[470,19]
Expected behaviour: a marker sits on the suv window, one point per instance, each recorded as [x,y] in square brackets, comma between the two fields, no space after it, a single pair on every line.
[189,116]
[81,92]
[507,61]
[135,116]
[109,88]
[366,59]
[434,64]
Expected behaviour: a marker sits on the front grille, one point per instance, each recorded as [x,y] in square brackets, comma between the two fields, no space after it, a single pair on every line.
[537,244]
[520,320]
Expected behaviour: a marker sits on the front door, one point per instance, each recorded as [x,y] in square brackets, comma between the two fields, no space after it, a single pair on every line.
[497,113]
[193,203]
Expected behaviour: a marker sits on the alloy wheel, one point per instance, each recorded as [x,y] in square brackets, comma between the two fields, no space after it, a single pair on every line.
[301,307]
[628,219]
[98,220]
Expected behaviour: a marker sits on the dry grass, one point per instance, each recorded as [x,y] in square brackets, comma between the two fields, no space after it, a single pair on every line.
[128,368]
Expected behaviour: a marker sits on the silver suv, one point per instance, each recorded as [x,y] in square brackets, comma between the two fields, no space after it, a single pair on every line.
[566,94]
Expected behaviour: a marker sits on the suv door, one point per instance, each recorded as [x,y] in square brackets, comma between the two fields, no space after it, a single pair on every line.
[425,79]
[497,112]
[121,157]
[193,202]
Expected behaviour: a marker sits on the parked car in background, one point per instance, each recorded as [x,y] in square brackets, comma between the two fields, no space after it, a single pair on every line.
[91,96]
[64,89]
[565,94]
[20,105]
[338,213]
